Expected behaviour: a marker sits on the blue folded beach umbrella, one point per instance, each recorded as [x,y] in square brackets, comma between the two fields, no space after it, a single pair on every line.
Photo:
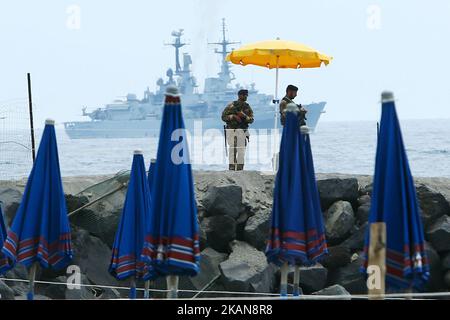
[172,241]
[297,235]
[394,202]
[4,265]
[127,248]
[40,231]
[151,174]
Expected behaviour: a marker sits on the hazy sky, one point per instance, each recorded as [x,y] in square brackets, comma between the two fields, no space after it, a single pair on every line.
[118,47]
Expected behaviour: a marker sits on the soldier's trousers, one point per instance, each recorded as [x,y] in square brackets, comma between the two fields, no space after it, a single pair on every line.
[237,142]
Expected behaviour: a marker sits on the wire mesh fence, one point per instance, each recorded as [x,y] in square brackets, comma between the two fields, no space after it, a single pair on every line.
[15,139]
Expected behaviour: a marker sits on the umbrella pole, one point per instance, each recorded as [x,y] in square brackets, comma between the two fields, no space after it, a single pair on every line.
[147,290]
[32,276]
[284,278]
[172,286]
[275,126]
[409,291]
[133,288]
[377,259]
[30,106]
[296,291]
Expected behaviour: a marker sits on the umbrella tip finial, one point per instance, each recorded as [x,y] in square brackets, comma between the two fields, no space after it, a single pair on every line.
[305,130]
[172,91]
[50,122]
[387,96]
[138,151]
[291,107]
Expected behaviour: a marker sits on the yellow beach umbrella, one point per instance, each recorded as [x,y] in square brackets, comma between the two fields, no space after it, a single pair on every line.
[278,54]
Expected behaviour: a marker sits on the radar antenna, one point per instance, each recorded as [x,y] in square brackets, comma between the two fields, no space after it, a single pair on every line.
[177,44]
[225,67]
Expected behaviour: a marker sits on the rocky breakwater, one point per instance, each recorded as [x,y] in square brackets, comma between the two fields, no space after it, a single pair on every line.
[234,216]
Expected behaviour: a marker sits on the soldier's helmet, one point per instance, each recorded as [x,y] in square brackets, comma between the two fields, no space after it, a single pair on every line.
[243,92]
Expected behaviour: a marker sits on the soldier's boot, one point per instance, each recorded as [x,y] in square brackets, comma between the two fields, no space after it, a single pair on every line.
[232,167]
[240,167]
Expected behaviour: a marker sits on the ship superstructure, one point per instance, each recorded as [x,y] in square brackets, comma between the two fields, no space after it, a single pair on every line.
[133,117]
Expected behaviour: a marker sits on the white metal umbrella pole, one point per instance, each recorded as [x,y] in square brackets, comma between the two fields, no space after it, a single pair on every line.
[284,279]
[32,277]
[147,290]
[172,286]
[275,126]
[132,288]
[296,291]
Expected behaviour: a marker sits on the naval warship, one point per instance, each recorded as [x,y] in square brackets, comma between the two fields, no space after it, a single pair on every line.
[137,118]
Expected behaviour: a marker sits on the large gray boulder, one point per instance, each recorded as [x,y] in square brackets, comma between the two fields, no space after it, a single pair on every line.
[6,293]
[257,229]
[75,202]
[202,234]
[257,188]
[247,270]
[219,231]
[335,189]
[56,291]
[224,200]
[339,222]
[366,189]
[241,221]
[10,198]
[312,278]
[18,272]
[364,200]
[363,211]
[20,289]
[349,277]
[93,257]
[432,203]
[101,223]
[439,234]
[447,279]
[362,214]
[63,291]
[81,293]
[446,261]
[335,290]
[209,269]
[436,281]
[337,257]
[357,239]
[101,218]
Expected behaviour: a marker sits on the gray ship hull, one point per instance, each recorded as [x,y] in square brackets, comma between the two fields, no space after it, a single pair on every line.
[150,127]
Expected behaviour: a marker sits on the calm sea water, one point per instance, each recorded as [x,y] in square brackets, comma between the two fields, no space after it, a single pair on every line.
[338,147]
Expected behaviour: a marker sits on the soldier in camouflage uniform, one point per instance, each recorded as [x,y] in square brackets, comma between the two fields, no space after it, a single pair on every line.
[291,93]
[237,115]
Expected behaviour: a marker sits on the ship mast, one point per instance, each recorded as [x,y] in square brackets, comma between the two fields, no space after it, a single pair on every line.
[225,73]
[177,44]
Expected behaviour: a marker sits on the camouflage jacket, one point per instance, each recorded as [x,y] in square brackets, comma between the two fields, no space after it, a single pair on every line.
[235,108]
[283,104]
